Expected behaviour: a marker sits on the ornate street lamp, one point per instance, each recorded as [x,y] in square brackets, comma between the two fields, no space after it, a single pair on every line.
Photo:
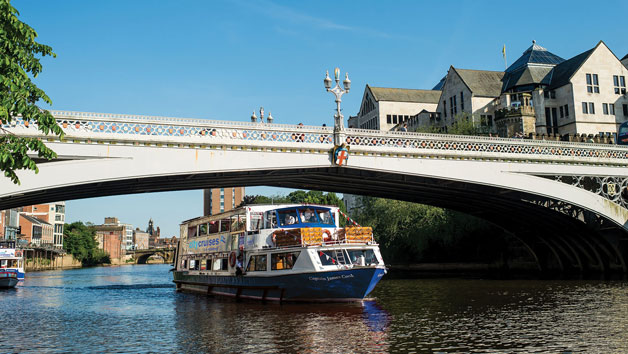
[338,92]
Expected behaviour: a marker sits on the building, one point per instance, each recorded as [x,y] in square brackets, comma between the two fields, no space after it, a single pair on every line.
[35,231]
[542,93]
[9,224]
[382,108]
[140,239]
[51,213]
[469,91]
[218,200]
[624,60]
[112,237]
[167,242]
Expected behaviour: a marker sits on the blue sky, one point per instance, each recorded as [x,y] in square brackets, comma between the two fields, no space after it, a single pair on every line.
[224,59]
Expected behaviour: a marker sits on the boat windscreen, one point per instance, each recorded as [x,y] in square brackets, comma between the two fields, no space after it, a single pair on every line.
[287,216]
[325,216]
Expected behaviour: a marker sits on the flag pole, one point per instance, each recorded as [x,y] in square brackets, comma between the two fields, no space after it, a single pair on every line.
[504,53]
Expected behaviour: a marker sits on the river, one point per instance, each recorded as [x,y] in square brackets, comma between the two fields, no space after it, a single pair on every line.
[136,309]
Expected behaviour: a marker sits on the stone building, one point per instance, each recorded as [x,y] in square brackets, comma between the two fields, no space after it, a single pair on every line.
[112,237]
[382,108]
[140,239]
[624,60]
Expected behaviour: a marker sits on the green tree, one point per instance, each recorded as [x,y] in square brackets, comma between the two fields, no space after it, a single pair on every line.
[20,57]
[79,240]
[463,124]
[409,232]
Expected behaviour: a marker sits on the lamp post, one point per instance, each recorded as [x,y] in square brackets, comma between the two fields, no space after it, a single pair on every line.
[338,92]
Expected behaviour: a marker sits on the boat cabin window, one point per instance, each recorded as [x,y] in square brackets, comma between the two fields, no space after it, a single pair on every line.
[307,215]
[208,264]
[362,257]
[332,257]
[286,260]
[237,222]
[202,229]
[225,225]
[257,263]
[194,264]
[192,231]
[325,216]
[270,220]
[288,217]
[213,226]
[220,264]
[256,221]
[184,264]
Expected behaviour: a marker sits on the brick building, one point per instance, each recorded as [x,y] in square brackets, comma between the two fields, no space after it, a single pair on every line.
[218,200]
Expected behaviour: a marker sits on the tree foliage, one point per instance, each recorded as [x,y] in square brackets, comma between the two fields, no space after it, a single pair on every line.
[409,232]
[463,124]
[79,240]
[20,57]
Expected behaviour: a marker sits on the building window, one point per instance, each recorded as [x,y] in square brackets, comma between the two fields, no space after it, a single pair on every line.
[562,112]
[591,108]
[592,83]
[546,94]
[388,119]
[585,108]
[625,110]
[445,107]
[605,108]
[611,108]
[455,107]
[461,101]
[566,110]
[620,84]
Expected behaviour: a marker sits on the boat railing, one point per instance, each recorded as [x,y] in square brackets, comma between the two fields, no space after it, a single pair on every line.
[316,236]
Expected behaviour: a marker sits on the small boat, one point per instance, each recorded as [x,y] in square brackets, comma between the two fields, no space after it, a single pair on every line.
[278,253]
[8,279]
[11,259]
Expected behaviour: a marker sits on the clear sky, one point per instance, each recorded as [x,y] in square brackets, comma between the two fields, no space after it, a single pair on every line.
[223,59]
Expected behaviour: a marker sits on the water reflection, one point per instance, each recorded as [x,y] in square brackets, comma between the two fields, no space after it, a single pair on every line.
[223,325]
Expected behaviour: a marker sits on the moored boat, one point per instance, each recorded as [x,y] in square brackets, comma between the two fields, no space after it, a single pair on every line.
[11,259]
[8,279]
[278,252]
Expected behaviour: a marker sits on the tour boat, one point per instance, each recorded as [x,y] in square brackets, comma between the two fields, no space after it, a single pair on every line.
[278,253]
[11,259]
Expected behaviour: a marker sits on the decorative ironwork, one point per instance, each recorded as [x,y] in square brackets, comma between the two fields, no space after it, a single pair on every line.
[612,188]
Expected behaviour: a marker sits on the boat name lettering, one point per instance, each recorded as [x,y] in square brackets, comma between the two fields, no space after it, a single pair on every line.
[209,243]
[344,276]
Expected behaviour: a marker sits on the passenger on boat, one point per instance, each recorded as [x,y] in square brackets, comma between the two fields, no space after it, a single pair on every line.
[239,259]
[308,216]
[290,220]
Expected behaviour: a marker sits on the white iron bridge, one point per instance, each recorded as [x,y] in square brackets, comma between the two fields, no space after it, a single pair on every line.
[568,202]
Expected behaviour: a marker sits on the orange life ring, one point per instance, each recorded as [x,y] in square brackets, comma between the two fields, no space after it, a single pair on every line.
[232,259]
[326,236]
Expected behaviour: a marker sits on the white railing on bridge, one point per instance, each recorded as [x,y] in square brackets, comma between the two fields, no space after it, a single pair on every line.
[90,127]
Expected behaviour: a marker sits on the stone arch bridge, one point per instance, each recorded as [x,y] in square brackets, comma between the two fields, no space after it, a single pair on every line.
[568,202]
[142,256]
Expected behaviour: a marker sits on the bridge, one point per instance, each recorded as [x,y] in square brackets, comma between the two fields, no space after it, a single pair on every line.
[142,256]
[567,202]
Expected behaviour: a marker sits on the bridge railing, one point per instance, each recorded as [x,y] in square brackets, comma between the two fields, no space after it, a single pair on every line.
[136,129]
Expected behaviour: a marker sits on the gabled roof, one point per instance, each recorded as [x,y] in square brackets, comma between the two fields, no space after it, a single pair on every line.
[482,82]
[528,75]
[404,95]
[625,57]
[535,55]
[563,72]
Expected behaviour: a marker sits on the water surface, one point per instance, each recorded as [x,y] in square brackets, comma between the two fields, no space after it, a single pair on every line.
[136,309]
